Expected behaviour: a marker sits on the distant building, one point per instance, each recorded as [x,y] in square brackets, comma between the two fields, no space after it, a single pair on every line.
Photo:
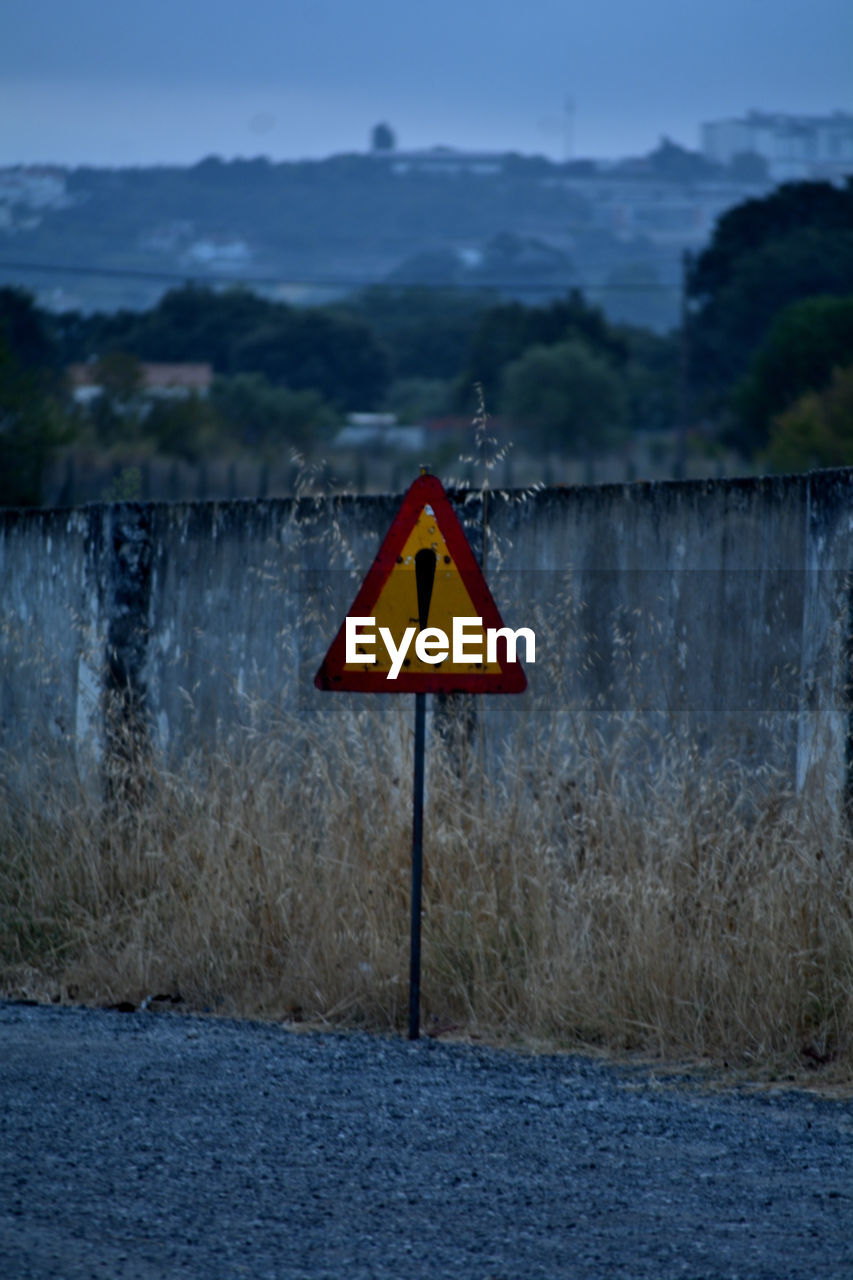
[441,160]
[379,431]
[628,202]
[157,381]
[794,147]
[227,253]
[177,380]
[34,186]
[26,191]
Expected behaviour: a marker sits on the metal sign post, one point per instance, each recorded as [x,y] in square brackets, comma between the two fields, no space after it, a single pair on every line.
[417,867]
[425,562]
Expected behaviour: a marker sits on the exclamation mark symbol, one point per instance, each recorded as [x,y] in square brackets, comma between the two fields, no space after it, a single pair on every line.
[425,562]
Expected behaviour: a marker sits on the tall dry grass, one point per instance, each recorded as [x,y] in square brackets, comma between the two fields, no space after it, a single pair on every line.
[685,910]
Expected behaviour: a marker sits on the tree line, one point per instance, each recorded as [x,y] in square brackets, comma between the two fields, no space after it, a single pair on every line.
[763,363]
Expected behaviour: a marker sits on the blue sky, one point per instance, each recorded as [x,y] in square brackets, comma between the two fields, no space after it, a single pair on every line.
[108,82]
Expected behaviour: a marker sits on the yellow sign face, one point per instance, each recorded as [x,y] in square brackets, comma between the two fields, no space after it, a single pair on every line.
[397,606]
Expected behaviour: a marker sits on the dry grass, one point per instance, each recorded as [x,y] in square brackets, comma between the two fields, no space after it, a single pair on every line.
[686,914]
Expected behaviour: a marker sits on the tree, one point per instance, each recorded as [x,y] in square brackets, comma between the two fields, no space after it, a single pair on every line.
[192,323]
[338,356]
[120,376]
[506,331]
[264,419]
[419,399]
[31,428]
[806,343]
[507,262]
[238,332]
[117,412]
[32,425]
[817,430]
[763,255]
[651,378]
[25,332]
[382,138]
[566,396]
[677,163]
[513,262]
[749,226]
[424,330]
[187,427]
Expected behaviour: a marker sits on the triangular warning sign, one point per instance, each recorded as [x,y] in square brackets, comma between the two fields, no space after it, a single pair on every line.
[424,578]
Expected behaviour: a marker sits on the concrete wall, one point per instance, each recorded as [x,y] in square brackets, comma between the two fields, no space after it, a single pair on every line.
[720,608]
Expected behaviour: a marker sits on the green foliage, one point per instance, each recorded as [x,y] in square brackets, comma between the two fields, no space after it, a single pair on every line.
[519,265]
[651,378]
[751,225]
[350,353]
[125,486]
[262,418]
[32,425]
[419,399]
[765,254]
[120,376]
[114,417]
[25,332]
[678,164]
[31,428]
[566,396]
[187,324]
[506,331]
[335,355]
[424,330]
[284,374]
[245,414]
[184,427]
[817,430]
[807,341]
[800,265]
[198,324]
[239,332]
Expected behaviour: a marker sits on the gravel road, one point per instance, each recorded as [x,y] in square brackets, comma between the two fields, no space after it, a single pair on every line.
[157,1145]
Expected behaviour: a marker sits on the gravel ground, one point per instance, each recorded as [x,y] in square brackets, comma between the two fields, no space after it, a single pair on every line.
[150,1145]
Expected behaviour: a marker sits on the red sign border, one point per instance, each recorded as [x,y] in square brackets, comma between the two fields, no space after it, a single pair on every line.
[331,677]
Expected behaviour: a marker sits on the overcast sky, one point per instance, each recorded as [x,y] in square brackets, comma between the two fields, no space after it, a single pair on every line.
[113,82]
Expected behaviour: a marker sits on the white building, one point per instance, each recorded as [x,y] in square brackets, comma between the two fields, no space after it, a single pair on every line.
[380,431]
[794,147]
[442,161]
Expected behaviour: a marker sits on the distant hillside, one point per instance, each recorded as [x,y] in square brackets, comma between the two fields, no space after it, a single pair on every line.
[100,239]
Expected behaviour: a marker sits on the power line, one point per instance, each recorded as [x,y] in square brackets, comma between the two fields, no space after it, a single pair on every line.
[336,283]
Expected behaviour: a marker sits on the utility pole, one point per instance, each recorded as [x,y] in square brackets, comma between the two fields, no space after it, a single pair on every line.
[569,129]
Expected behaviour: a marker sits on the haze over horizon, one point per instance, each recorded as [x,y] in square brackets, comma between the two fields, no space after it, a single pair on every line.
[171,84]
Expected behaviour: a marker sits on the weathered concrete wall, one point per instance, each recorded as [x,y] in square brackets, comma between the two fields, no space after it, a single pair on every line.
[717,607]
[722,607]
